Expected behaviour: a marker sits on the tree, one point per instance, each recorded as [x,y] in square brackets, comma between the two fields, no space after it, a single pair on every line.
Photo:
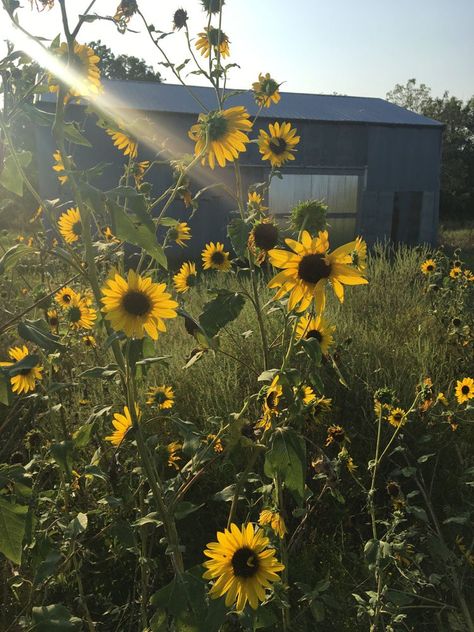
[457,169]
[123,66]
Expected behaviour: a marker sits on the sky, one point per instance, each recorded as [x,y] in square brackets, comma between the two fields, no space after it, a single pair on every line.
[337,46]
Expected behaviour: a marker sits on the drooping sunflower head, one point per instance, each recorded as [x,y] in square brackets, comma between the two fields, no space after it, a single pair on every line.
[180,233]
[212,6]
[309,267]
[122,424]
[215,258]
[336,434]
[53,319]
[186,277]
[124,142]
[221,135]
[309,215]
[278,146]
[464,390]
[270,403]
[274,520]
[428,266]
[59,167]
[70,225]
[213,39]
[311,327]
[84,64]
[397,417]
[180,19]
[266,90]
[359,254]
[125,10]
[242,565]
[65,296]
[161,396]
[136,305]
[173,450]
[24,380]
[80,314]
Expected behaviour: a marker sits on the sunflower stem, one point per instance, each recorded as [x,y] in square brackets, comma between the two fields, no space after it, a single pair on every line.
[239,485]
[285,613]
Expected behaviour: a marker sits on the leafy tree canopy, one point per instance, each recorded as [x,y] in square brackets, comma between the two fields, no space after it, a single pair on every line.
[123,66]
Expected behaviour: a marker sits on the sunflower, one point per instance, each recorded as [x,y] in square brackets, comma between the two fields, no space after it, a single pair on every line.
[221,135]
[59,167]
[266,91]
[277,147]
[180,19]
[180,233]
[186,277]
[321,406]
[84,63]
[359,254]
[309,396]
[455,272]
[70,225]
[53,319]
[309,267]
[122,424]
[469,276]
[336,434]
[65,296]
[137,305]
[161,396]
[212,6]
[243,566]
[316,327]
[173,456]
[255,202]
[264,235]
[397,417]
[270,403]
[216,443]
[123,142]
[275,520]
[139,170]
[89,341]
[212,39]
[109,236]
[428,266]
[80,314]
[464,390]
[214,257]
[25,380]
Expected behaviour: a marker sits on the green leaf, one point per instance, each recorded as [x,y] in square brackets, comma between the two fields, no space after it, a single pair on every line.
[13,256]
[313,350]
[12,529]
[4,389]
[48,566]
[72,133]
[223,309]
[137,234]
[27,363]
[82,435]
[36,331]
[54,618]
[11,177]
[238,232]
[146,361]
[62,454]
[102,372]
[184,508]
[77,525]
[286,458]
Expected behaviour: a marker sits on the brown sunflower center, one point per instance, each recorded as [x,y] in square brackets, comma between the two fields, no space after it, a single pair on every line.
[397,417]
[314,333]
[465,389]
[456,322]
[430,267]
[245,562]
[265,236]
[67,298]
[393,488]
[136,303]
[216,37]
[75,314]
[313,268]
[217,126]
[217,258]
[159,397]
[272,399]
[77,228]
[278,145]
[191,280]
[53,321]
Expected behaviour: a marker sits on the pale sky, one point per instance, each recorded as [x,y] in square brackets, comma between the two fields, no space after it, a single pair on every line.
[357,48]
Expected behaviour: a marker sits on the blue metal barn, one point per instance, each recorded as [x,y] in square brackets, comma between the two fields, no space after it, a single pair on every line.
[375,164]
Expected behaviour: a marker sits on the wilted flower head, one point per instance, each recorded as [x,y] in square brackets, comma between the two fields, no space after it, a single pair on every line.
[212,6]
[180,19]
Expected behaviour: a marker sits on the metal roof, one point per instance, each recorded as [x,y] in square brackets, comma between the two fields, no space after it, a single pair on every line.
[166,97]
